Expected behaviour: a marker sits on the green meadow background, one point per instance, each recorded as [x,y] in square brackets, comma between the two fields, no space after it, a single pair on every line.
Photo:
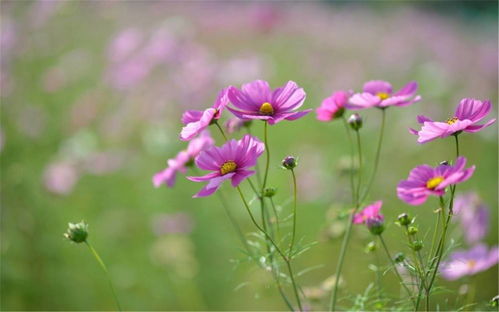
[91,98]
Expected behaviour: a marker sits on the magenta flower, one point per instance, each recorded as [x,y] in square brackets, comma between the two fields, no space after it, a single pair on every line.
[256,100]
[424,181]
[333,107]
[468,113]
[196,121]
[181,161]
[469,262]
[230,161]
[473,216]
[378,93]
[369,212]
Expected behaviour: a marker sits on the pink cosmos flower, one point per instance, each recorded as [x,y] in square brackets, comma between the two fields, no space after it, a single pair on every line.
[369,212]
[468,113]
[196,121]
[424,181]
[230,161]
[183,158]
[473,215]
[255,100]
[378,93]
[333,107]
[469,262]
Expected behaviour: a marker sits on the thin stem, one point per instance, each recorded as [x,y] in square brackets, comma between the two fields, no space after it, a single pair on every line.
[276,215]
[258,174]
[457,144]
[103,266]
[395,269]
[378,152]
[359,179]
[291,275]
[349,135]
[267,151]
[294,215]
[221,130]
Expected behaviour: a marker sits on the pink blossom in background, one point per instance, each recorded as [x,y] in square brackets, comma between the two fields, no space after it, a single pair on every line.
[196,121]
[333,107]
[469,262]
[468,113]
[181,161]
[473,216]
[424,181]
[369,212]
[235,124]
[60,177]
[124,44]
[230,161]
[256,100]
[378,93]
[173,223]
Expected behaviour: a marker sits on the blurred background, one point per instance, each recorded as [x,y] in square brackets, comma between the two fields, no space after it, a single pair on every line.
[91,98]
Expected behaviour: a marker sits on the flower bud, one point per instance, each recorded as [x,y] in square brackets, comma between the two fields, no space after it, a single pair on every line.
[355,121]
[269,192]
[494,302]
[417,245]
[77,233]
[289,162]
[444,163]
[371,246]
[376,225]
[404,219]
[399,257]
[412,230]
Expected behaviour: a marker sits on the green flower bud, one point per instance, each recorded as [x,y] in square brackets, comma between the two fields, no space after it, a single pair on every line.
[371,246]
[269,192]
[289,162]
[376,225]
[399,257]
[77,233]
[494,302]
[417,245]
[404,219]
[355,121]
[412,230]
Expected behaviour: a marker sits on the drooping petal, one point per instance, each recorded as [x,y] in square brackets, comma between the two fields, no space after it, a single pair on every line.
[213,185]
[240,176]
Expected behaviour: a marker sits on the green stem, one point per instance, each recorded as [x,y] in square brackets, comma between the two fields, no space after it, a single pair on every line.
[349,135]
[103,266]
[395,269]
[221,130]
[283,256]
[267,151]
[276,215]
[378,152]
[294,215]
[359,179]
[257,167]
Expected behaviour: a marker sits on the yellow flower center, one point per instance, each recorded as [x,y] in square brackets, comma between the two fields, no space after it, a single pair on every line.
[383,95]
[452,120]
[266,109]
[227,167]
[434,182]
[471,264]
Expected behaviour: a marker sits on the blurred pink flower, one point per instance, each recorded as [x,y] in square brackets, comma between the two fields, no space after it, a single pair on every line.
[369,212]
[424,181]
[468,113]
[333,107]
[378,93]
[60,177]
[174,223]
[469,262]
[124,44]
[473,216]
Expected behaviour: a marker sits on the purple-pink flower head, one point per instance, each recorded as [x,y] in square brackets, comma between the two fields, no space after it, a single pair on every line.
[469,262]
[230,161]
[468,113]
[182,160]
[369,212]
[473,216]
[424,181]
[378,93]
[256,100]
[196,121]
[333,107]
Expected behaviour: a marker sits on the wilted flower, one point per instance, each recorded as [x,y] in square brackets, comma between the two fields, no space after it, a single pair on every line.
[424,181]
[469,262]
[333,107]
[77,232]
[183,158]
[230,161]
[473,216]
[378,93]
[196,121]
[255,100]
[468,113]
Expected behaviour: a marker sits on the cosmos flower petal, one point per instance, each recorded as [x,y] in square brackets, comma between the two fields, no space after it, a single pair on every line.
[213,185]
[362,100]
[476,128]
[377,86]
[241,175]
[288,97]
